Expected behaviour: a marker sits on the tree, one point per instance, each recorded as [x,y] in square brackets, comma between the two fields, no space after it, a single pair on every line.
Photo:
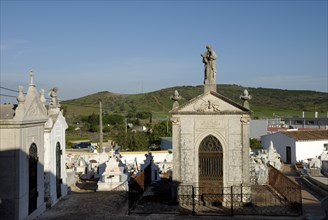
[138,141]
[113,119]
[143,115]
[254,143]
[161,129]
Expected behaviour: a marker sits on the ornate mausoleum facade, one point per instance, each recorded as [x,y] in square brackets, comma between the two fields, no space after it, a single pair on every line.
[210,136]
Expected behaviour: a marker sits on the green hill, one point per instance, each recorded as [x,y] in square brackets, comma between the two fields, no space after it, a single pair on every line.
[264,103]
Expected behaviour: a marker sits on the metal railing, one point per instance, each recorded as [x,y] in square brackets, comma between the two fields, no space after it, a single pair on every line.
[138,185]
[287,188]
[235,200]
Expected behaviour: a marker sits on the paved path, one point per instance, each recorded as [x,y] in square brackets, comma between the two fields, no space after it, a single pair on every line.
[310,200]
[113,206]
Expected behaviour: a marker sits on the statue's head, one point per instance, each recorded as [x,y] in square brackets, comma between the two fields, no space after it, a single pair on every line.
[208,47]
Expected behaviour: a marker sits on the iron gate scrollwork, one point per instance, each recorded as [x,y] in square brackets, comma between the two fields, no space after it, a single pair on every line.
[260,200]
[211,163]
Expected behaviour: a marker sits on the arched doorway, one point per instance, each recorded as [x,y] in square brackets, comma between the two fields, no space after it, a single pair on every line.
[33,178]
[211,163]
[58,170]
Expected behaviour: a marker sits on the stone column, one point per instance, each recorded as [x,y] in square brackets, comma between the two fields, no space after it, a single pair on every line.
[209,87]
[245,148]
[176,149]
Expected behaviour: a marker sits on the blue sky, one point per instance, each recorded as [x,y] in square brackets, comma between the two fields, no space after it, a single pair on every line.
[84,47]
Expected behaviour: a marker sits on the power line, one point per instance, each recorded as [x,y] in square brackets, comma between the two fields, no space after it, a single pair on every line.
[1,87]
[8,95]
[12,90]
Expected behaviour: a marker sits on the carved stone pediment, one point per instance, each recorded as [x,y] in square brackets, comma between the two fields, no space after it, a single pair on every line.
[211,103]
[34,110]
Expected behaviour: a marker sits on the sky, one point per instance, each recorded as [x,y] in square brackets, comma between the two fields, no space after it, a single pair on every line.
[84,47]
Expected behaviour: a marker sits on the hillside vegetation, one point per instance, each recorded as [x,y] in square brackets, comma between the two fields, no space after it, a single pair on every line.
[264,103]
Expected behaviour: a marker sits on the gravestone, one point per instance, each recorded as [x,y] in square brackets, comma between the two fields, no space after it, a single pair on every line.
[114,175]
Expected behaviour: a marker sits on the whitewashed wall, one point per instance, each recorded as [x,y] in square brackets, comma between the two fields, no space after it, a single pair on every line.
[309,149]
[300,150]
[159,156]
[280,142]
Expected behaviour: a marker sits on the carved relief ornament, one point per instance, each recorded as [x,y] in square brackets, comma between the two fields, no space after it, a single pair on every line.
[244,120]
[175,121]
[207,106]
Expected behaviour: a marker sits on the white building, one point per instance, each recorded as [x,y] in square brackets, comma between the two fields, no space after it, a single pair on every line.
[54,153]
[22,156]
[27,152]
[210,135]
[294,146]
[257,128]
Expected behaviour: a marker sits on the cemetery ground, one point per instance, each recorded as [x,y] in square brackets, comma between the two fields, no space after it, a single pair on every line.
[84,202]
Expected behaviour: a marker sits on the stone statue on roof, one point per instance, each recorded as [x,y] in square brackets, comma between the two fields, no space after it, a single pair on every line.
[209,60]
[54,100]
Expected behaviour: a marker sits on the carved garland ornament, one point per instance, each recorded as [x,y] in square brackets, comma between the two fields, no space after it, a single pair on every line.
[207,106]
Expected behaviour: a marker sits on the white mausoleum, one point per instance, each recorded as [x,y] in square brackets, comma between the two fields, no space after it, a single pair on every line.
[211,142]
[27,145]
[54,154]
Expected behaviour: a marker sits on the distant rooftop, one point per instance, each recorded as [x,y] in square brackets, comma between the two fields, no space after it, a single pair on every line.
[307,135]
[7,111]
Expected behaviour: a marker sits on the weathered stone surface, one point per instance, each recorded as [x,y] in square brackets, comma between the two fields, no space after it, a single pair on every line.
[216,115]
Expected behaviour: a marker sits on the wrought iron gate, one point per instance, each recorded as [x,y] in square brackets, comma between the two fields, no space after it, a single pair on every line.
[260,200]
[211,163]
[33,178]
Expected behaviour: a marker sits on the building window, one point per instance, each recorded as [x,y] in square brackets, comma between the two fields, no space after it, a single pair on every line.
[325,146]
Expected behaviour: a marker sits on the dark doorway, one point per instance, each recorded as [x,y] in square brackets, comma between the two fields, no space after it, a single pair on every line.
[211,163]
[33,178]
[288,155]
[58,170]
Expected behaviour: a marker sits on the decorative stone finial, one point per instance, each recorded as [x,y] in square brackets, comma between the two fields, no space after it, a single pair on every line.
[271,146]
[20,98]
[176,97]
[31,78]
[42,98]
[245,98]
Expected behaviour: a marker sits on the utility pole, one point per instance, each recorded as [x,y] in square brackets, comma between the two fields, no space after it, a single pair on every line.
[167,126]
[100,126]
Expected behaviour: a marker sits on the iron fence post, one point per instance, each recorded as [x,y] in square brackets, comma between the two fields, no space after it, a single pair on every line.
[300,200]
[231,200]
[193,200]
[241,193]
